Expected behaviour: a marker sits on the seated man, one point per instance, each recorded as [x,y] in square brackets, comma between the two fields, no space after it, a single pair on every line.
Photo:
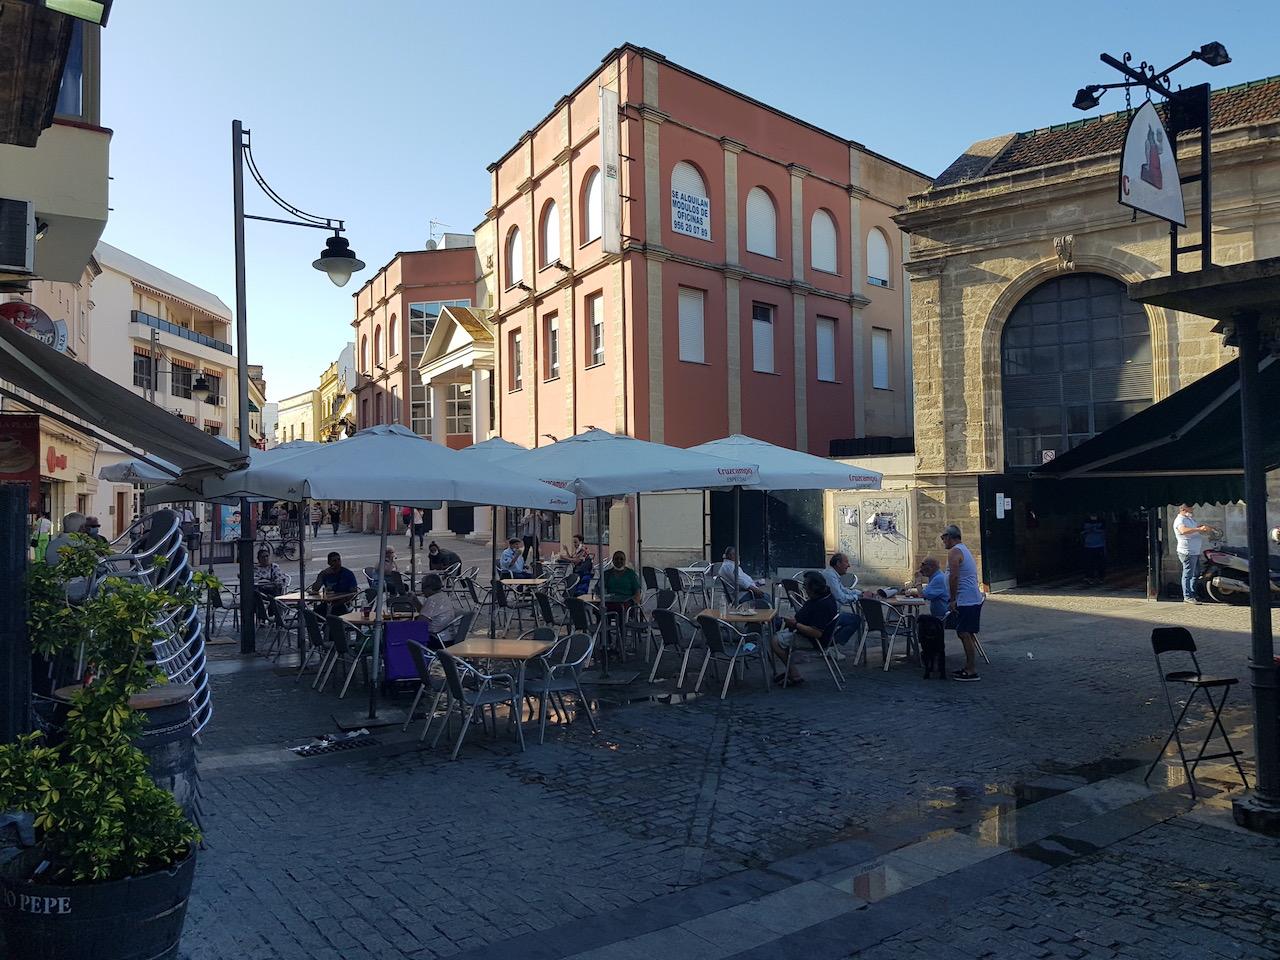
[439,558]
[935,588]
[512,559]
[739,583]
[622,588]
[335,578]
[811,621]
[71,523]
[438,610]
[850,622]
[268,583]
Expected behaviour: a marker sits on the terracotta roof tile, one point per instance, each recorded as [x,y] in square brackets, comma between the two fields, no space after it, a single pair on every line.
[1254,102]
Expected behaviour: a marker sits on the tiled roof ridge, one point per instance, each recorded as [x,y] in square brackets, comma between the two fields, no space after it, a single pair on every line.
[1118,114]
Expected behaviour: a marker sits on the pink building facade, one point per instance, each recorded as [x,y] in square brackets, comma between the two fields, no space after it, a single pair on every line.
[395,312]
[753,283]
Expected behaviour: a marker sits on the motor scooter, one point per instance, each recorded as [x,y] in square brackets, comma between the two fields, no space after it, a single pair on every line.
[1224,575]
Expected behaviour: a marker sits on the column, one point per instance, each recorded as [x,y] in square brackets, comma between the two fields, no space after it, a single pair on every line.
[480,433]
[799,307]
[439,394]
[857,274]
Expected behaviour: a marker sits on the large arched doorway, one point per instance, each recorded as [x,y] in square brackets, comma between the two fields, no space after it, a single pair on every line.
[1075,360]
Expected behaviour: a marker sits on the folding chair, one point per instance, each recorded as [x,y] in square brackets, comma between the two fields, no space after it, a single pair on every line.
[1172,640]
[727,644]
[555,673]
[882,618]
[677,632]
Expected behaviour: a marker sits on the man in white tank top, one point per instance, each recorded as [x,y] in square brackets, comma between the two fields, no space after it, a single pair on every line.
[965,600]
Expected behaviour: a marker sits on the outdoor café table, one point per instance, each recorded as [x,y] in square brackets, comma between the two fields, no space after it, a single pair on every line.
[909,609]
[525,582]
[762,617]
[317,597]
[517,651]
[357,618]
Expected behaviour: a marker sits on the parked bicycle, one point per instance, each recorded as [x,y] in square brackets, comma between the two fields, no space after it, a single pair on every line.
[280,546]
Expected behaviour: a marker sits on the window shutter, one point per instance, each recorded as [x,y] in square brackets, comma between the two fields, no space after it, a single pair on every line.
[762,223]
[877,259]
[822,242]
[762,339]
[691,326]
[515,258]
[594,207]
[826,345]
[880,359]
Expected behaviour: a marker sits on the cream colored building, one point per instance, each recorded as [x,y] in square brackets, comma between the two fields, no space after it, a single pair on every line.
[298,417]
[1025,342]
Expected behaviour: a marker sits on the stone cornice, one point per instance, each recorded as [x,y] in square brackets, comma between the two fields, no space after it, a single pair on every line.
[797,171]
[562,157]
[732,146]
[526,186]
[653,114]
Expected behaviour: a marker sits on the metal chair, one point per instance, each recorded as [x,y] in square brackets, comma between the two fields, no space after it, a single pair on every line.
[826,647]
[676,584]
[215,605]
[555,673]
[792,591]
[726,643]
[317,647]
[551,612]
[458,630]
[1175,640]
[340,634]
[677,632]
[879,616]
[481,690]
[649,577]
[511,603]
[428,681]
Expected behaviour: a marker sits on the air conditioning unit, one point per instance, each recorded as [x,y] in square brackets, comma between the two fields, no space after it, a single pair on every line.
[17,236]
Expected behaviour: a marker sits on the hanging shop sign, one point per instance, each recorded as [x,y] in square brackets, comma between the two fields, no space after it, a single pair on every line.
[34,322]
[1149,178]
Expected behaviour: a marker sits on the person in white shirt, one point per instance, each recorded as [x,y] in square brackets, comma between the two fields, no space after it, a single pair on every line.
[850,622]
[512,561]
[730,572]
[438,610]
[965,599]
[1190,546]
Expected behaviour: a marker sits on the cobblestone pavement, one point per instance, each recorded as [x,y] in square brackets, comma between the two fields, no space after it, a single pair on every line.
[392,851]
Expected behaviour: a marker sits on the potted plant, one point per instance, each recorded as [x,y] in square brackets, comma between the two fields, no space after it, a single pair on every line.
[114,857]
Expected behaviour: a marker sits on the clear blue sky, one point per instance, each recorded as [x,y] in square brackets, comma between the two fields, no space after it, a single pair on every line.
[386,112]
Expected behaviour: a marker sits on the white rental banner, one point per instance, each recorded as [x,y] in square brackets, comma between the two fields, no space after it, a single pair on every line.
[1149,178]
[611,235]
[690,214]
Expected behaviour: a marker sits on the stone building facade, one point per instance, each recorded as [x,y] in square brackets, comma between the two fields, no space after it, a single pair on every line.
[1009,218]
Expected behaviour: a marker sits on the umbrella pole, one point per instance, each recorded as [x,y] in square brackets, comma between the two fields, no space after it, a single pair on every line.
[493,568]
[737,545]
[639,541]
[375,672]
[604,647]
[413,553]
[302,587]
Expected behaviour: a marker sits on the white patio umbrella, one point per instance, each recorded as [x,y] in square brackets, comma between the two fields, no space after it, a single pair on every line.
[138,472]
[602,464]
[387,464]
[784,469]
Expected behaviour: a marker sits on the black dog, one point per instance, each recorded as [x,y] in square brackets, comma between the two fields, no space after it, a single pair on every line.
[932,636]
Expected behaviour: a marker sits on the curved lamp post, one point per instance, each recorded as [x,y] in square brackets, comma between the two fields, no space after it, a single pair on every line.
[337,260]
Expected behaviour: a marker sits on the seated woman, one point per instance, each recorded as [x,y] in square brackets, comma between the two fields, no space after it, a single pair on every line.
[811,621]
[439,558]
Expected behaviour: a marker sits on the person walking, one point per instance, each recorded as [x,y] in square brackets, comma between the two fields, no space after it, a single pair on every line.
[335,516]
[528,532]
[1190,545]
[317,518]
[965,601]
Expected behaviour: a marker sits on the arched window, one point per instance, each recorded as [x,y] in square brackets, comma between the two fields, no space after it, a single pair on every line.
[377,347]
[514,257]
[690,211]
[822,242]
[393,338]
[549,235]
[1075,360]
[877,258]
[364,354]
[592,205]
[762,223]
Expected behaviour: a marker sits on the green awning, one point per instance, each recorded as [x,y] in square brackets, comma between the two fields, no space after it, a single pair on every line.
[1185,449]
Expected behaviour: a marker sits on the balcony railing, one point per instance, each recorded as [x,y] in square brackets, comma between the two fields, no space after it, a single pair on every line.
[172,328]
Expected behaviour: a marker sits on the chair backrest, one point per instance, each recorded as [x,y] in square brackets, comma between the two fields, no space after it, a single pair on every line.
[472,573]
[675,582]
[665,600]
[337,633]
[421,660]
[459,629]
[790,585]
[578,614]
[395,584]
[498,592]
[794,596]
[453,570]
[371,574]
[451,678]
[668,627]
[313,627]
[1169,639]
[470,584]
[544,606]
[215,598]
[930,629]
[403,604]
[650,577]
[714,633]
[727,589]
[577,650]
[872,613]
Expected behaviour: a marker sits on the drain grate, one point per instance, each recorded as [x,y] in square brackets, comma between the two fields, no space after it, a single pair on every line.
[334,746]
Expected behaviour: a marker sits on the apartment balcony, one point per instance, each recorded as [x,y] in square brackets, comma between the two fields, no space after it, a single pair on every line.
[179,338]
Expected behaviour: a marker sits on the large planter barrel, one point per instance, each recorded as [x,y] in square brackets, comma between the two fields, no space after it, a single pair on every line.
[166,739]
[137,918]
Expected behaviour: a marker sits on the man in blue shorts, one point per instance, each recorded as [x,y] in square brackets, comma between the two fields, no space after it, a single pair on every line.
[966,599]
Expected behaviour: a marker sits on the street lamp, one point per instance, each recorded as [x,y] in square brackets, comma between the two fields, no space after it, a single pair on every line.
[337,260]
[200,389]
[1213,54]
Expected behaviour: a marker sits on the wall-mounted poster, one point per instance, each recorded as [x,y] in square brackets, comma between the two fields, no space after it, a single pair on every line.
[886,544]
[228,525]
